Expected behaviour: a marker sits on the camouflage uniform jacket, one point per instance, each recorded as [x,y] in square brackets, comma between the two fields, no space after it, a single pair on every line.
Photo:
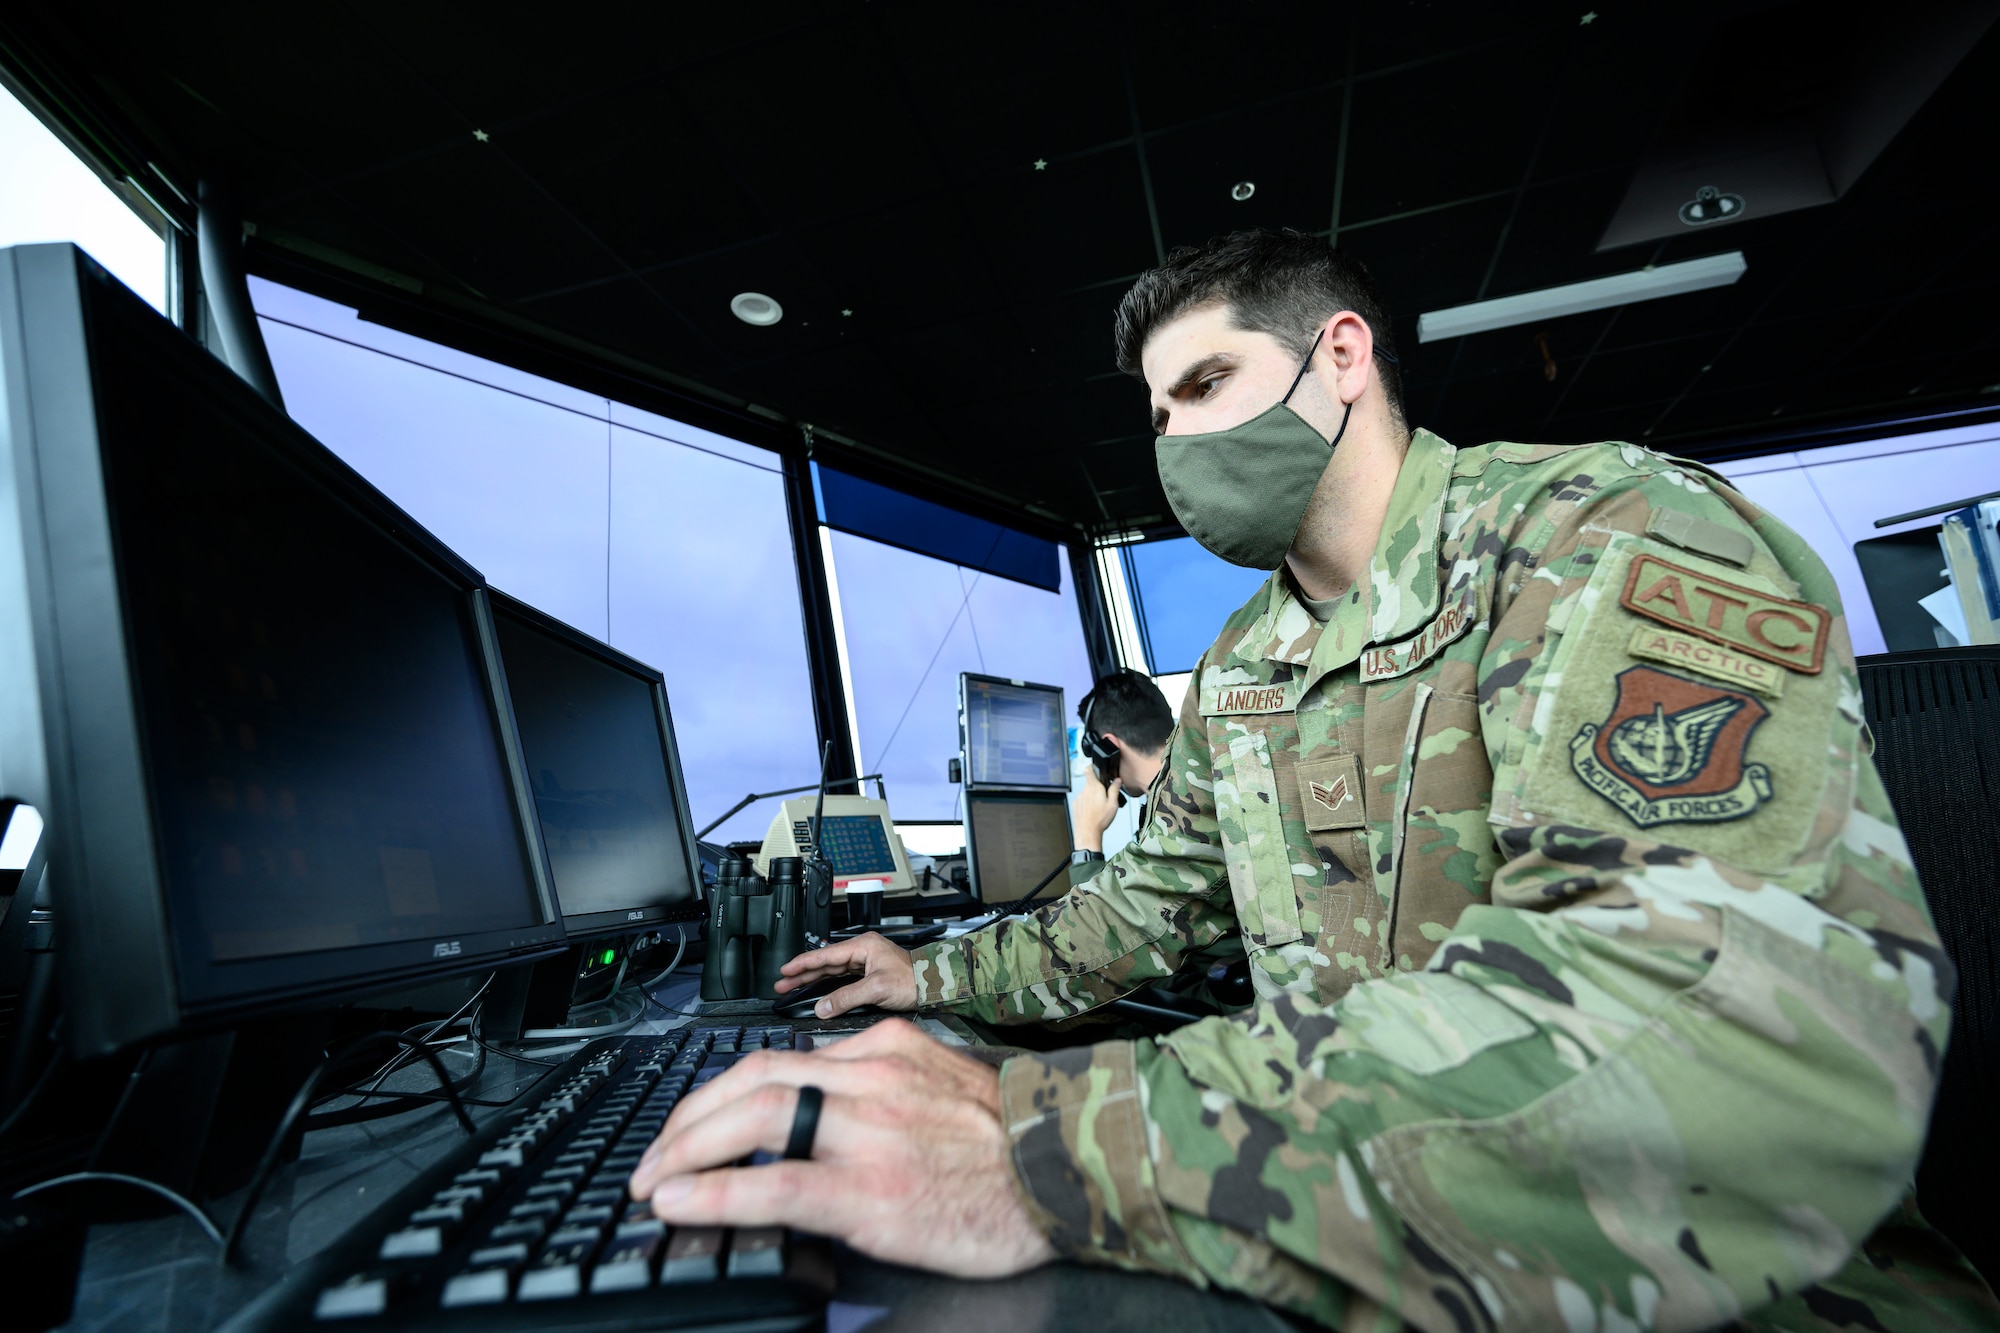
[1576,783]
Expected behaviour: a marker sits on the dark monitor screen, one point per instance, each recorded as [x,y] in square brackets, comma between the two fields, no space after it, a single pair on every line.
[1015,734]
[857,845]
[320,746]
[1014,841]
[325,758]
[591,735]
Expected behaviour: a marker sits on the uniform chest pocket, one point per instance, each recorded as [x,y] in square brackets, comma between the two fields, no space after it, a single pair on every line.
[1253,842]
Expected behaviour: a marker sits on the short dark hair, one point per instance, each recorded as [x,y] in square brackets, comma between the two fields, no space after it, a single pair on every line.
[1284,283]
[1128,704]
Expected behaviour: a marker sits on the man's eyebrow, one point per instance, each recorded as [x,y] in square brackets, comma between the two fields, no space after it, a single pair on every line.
[1197,370]
[1203,366]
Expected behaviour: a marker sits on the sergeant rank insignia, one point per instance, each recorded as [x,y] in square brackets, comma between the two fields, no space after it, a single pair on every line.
[1672,751]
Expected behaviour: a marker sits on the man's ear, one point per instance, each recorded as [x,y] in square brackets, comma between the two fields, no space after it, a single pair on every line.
[1345,343]
[1111,738]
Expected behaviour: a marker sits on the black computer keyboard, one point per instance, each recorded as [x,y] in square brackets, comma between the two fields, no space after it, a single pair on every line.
[528,1226]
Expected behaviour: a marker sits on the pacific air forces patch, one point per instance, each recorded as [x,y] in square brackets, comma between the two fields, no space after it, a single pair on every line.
[1673,750]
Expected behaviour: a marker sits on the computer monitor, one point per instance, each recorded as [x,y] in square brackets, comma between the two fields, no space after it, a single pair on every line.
[1013,839]
[860,837]
[260,708]
[1013,734]
[598,742]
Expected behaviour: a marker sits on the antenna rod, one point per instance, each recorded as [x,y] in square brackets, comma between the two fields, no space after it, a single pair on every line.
[825,758]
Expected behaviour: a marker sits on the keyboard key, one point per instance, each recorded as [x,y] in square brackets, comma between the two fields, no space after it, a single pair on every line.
[527,1229]
[568,1171]
[587,1215]
[638,1228]
[476,1177]
[552,1189]
[359,1297]
[691,1255]
[557,1272]
[605,1195]
[438,1215]
[413,1243]
[470,1196]
[510,1156]
[488,1287]
[628,1262]
[757,1252]
[499,1256]
[570,1236]
[712,1066]
[536,1208]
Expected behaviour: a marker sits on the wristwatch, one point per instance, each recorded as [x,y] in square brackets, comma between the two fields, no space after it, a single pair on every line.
[1083,856]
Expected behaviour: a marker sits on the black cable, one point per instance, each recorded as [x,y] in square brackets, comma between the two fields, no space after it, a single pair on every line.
[180,1201]
[354,1089]
[302,1099]
[511,1055]
[1026,898]
[398,1061]
[394,1103]
[398,1103]
[666,1008]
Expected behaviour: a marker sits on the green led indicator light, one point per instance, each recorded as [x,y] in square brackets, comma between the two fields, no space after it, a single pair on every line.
[608,956]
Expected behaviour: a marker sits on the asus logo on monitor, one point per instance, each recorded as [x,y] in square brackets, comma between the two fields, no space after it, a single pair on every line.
[635,916]
[448,949]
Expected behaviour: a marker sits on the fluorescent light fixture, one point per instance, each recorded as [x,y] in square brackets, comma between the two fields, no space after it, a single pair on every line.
[1574,298]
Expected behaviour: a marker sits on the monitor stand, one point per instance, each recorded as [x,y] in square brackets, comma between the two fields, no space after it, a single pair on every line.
[554,994]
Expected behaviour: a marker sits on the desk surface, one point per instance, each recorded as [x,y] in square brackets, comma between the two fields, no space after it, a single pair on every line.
[161,1275]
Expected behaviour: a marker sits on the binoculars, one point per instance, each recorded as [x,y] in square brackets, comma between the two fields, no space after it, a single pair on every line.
[757,925]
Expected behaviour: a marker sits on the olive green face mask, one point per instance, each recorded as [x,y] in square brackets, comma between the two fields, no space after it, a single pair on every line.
[1242,492]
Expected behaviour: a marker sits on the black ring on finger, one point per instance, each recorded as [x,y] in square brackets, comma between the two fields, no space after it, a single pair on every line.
[805,1124]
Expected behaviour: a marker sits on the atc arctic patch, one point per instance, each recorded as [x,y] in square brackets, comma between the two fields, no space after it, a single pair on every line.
[1791,634]
[1673,751]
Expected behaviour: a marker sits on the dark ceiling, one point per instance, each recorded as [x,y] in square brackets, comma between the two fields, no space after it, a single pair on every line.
[949,201]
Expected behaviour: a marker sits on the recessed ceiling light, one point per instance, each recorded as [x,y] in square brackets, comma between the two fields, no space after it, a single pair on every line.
[1242,190]
[755,308]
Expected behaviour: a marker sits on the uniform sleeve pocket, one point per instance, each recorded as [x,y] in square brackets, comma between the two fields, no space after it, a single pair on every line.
[1253,839]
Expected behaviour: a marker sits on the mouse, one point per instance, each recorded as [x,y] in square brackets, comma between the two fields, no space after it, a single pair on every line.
[799,1003]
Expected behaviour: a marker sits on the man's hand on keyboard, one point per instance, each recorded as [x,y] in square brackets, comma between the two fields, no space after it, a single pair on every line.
[909,1164]
[887,979]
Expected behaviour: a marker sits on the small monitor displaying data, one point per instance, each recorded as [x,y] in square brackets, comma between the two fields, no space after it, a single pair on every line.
[856,844]
[595,740]
[1013,841]
[1014,734]
[860,837]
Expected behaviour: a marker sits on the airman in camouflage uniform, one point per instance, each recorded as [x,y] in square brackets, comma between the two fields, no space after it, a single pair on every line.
[1577,783]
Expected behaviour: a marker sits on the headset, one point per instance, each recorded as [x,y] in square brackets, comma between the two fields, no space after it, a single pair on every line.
[1102,754]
